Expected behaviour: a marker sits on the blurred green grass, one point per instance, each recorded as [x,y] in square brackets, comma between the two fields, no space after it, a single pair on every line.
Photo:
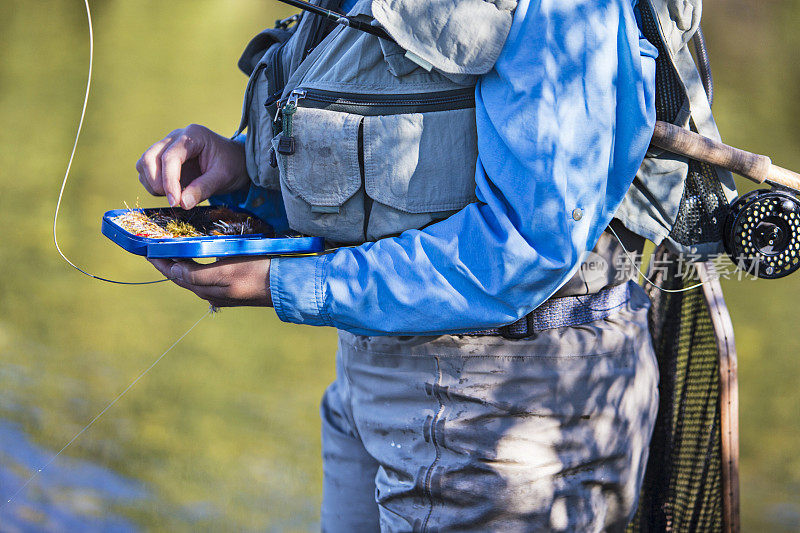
[753,46]
[228,421]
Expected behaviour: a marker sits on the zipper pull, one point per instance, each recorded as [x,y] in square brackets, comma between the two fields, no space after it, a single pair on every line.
[286,144]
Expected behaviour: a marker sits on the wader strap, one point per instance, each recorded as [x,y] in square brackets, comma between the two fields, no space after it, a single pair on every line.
[562,312]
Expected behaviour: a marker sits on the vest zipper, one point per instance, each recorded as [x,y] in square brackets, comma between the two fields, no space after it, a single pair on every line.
[375,104]
[365,105]
[286,144]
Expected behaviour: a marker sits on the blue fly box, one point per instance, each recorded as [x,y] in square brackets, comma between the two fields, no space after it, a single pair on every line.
[204,245]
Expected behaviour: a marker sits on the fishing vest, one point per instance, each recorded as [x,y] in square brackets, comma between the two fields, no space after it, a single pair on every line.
[674,200]
[367,142]
[365,138]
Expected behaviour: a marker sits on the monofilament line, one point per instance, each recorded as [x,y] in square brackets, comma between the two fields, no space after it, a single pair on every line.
[648,280]
[106,408]
[69,166]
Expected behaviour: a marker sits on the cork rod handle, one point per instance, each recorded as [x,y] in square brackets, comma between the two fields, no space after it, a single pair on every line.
[755,167]
[784,176]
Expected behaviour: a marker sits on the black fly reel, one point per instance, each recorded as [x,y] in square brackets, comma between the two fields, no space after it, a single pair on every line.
[762,233]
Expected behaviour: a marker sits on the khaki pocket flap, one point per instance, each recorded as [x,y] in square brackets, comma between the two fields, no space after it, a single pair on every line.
[421,162]
[324,170]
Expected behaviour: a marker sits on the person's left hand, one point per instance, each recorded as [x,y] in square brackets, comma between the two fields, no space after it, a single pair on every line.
[225,283]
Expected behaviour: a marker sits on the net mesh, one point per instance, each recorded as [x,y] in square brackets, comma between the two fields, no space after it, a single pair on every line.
[683,484]
[682,489]
[703,205]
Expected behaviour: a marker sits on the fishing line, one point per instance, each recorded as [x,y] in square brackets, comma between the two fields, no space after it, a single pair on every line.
[141,375]
[69,166]
[106,408]
[648,280]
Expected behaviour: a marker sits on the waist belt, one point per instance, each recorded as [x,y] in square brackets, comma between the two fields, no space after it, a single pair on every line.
[562,312]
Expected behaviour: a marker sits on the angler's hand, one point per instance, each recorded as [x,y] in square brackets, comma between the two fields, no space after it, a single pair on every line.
[226,283]
[196,158]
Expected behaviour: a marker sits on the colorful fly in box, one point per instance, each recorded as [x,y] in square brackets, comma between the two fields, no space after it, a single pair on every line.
[203,231]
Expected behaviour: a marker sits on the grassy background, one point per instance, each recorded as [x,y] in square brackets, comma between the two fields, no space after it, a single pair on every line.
[757,107]
[224,431]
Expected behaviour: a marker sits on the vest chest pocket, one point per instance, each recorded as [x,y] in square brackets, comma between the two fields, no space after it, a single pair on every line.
[418,163]
[321,181]
[369,166]
[324,170]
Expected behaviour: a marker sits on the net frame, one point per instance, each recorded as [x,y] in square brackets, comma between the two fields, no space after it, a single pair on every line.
[728,394]
[691,481]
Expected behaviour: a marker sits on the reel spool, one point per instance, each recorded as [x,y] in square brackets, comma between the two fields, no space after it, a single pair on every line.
[762,233]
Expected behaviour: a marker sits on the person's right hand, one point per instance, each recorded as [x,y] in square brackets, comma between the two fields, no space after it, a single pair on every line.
[196,158]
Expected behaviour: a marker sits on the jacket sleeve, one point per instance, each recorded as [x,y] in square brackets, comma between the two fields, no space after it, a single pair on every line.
[564,120]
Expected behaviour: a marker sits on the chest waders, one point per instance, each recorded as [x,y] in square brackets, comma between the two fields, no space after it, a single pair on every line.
[356,133]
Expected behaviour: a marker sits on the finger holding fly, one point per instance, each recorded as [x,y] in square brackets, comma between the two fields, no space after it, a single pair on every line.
[149,165]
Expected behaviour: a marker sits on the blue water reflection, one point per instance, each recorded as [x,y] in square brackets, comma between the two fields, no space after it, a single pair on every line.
[70,495]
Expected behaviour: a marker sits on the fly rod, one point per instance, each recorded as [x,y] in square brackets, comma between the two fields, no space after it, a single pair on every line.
[761,230]
[755,167]
[340,18]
